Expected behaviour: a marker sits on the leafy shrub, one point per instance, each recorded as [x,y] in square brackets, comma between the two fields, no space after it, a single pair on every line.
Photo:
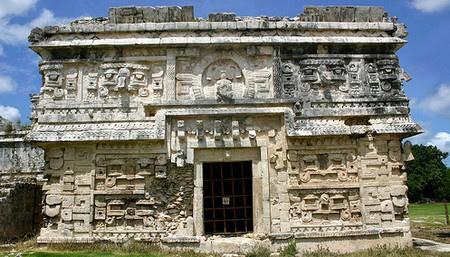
[259,251]
[290,250]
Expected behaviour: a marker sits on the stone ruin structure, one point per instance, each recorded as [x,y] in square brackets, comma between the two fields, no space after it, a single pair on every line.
[222,133]
[18,157]
[21,166]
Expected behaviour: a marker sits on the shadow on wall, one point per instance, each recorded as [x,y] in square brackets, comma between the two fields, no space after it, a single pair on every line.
[20,208]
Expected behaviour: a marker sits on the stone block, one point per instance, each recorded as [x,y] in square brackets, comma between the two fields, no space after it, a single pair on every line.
[221,17]
[347,14]
[151,14]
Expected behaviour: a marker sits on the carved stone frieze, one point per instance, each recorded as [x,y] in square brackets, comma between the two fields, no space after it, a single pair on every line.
[223,132]
[333,207]
[334,167]
[223,77]
[343,78]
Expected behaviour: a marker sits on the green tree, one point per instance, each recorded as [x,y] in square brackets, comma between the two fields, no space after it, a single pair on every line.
[428,177]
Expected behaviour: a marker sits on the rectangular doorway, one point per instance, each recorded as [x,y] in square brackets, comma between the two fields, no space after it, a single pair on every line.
[227,198]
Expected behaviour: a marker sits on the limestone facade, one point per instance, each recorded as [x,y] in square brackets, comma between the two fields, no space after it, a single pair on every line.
[134,105]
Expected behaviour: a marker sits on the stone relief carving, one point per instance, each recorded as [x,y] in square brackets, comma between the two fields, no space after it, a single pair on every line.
[163,207]
[224,88]
[92,86]
[335,208]
[322,167]
[340,159]
[223,76]
[353,78]
[219,132]
[71,84]
[133,192]
[290,81]
[119,78]
[67,200]
[114,80]
[52,81]
[385,205]
[127,173]
[223,80]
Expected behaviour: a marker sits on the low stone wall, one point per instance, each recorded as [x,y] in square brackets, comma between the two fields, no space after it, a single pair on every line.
[19,209]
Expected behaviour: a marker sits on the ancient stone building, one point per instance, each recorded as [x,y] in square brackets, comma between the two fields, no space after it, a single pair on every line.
[21,166]
[225,132]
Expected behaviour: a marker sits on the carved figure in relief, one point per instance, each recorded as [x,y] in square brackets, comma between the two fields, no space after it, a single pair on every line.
[110,77]
[389,74]
[71,83]
[92,89]
[137,80]
[53,79]
[323,76]
[55,158]
[289,80]
[222,80]
[122,77]
[157,80]
[395,152]
[224,88]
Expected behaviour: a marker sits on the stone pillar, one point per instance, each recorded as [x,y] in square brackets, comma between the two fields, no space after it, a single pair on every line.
[198,199]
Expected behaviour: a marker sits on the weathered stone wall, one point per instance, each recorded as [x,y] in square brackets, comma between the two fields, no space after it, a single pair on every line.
[21,165]
[144,97]
[20,209]
[113,191]
[19,158]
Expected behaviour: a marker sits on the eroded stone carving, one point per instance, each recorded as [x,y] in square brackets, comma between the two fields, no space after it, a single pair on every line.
[337,208]
[223,79]
[129,117]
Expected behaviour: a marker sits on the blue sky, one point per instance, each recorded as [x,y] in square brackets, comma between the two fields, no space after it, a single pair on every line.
[426,57]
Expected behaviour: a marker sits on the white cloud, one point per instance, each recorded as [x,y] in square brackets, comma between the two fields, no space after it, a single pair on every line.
[13,33]
[2,52]
[430,6]
[441,140]
[15,7]
[439,101]
[7,84]
[9,113]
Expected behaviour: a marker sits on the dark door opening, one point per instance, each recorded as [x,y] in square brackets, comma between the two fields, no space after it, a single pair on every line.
[227,198]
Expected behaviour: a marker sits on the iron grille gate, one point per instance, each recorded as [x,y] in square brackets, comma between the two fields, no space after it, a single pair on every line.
[227,202]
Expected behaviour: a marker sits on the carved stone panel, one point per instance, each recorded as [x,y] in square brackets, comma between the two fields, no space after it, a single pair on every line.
[224,77]
[336,78]
[325,210]
[310,170]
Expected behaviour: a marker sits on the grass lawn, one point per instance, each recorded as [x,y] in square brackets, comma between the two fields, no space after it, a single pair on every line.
[427,220]
[433,213]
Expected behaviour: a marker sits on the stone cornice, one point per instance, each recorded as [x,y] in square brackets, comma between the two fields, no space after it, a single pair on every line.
[224,40]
